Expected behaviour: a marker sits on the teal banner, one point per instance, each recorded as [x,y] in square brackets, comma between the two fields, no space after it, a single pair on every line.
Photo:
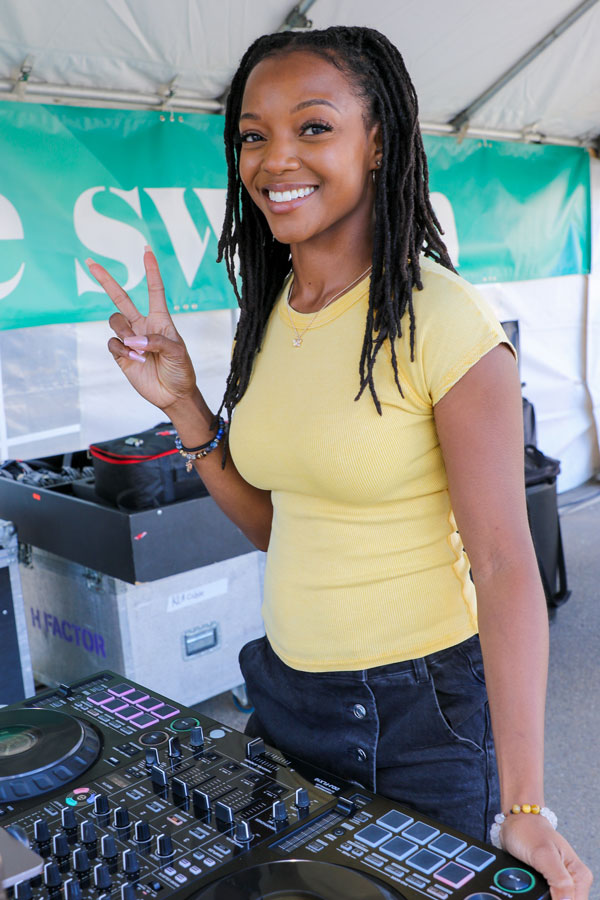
[512,211]
[90,182]
[103,183]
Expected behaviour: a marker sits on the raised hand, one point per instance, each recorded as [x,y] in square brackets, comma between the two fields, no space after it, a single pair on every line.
[148,349]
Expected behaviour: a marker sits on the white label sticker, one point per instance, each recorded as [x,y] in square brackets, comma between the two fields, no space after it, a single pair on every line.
[197,595]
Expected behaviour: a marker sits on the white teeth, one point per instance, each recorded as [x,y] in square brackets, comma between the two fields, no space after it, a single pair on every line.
[284,196]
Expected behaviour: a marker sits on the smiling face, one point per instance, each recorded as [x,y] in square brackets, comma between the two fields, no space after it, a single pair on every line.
[307,150]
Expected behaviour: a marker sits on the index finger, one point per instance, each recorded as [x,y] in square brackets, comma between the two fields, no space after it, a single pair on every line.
[157,302]
[114,290]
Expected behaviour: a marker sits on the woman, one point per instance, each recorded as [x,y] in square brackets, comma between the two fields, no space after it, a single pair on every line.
[370,387]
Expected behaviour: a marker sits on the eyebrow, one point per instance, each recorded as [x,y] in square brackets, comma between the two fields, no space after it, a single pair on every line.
[315,101]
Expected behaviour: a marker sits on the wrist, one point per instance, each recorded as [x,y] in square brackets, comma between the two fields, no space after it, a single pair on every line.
[194,421]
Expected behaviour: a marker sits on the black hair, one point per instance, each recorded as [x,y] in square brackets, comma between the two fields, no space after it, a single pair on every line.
[405,223]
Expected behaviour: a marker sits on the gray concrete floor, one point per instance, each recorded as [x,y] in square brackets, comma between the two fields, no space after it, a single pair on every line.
[573,708]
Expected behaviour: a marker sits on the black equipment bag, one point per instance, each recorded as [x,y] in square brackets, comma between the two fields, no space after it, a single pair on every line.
[143,470]
[529,429]
[544,523]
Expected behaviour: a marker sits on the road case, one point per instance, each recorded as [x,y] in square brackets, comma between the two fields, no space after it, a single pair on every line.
[16,677]
[180,635]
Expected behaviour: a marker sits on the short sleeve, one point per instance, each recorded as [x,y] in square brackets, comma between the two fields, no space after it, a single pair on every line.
[455,328]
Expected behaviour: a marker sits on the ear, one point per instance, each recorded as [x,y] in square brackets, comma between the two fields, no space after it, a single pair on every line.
[375,146]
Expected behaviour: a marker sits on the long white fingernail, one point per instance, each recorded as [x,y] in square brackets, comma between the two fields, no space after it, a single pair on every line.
[147,248]
[137,356]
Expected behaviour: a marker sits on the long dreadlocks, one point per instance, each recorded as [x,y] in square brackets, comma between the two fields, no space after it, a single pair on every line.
[405,223]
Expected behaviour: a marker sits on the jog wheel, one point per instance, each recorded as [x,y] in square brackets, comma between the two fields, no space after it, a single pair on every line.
[42,750]
[297,880]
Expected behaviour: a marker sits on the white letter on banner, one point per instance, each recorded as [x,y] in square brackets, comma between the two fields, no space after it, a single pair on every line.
[189,247]
[109,237]
[445,214]
[11,229]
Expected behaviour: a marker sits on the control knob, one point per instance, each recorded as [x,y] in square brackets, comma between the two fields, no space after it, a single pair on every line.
[279,812]
[67,817]
[164,845]
[108,848]
[102,877]
[243,832]
[52,876]
[60,845]
[174,750]
[142,832]
[196,737]
[131,863]
[87,832]
[72,889]
[302,798]
[81,861]
[41,832]
[23,890]
[127,892]
[121,817]
[152,758]
[101,807]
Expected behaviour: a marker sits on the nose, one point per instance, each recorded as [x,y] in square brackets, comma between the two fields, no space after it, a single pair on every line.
[279,156]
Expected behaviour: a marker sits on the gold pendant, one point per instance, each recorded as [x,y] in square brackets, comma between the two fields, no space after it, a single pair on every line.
[297,341]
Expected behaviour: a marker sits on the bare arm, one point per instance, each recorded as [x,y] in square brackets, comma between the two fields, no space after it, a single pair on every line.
[154,359]
[479,424]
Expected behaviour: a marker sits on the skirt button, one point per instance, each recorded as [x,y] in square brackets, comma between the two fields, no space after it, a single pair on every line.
[359,711]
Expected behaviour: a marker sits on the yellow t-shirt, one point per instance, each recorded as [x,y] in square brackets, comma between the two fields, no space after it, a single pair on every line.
[365,566]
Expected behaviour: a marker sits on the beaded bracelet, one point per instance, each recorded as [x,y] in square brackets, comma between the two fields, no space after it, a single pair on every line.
[515,810]
[192,453]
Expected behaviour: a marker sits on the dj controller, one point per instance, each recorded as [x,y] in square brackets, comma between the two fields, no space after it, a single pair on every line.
[122,794]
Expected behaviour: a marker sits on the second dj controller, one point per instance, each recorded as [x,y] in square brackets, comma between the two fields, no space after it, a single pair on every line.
[123,793]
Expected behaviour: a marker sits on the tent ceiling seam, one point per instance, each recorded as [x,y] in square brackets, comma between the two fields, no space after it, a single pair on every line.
[462,118]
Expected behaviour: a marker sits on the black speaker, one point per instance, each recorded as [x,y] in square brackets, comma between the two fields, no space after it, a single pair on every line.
[542,511]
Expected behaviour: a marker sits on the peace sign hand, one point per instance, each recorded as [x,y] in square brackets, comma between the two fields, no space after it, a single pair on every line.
[148,349]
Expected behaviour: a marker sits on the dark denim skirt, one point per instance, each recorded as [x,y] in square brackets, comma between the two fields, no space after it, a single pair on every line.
[416,731]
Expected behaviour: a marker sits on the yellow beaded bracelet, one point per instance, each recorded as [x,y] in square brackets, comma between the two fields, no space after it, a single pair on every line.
[518,808]
[526,808]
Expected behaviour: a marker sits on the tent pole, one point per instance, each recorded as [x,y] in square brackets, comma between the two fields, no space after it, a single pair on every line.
[462,118]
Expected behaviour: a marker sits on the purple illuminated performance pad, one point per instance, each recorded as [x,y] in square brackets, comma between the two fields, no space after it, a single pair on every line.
[113,705]
[149,704]
[101,697]
[142,720]
[164,712]
[454,875]
[128,712]
[119,690]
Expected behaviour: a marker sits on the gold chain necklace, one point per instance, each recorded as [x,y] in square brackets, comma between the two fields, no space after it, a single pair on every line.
[297,341]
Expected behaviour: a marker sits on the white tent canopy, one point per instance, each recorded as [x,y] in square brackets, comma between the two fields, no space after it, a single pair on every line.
[184,53]
[181,54]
